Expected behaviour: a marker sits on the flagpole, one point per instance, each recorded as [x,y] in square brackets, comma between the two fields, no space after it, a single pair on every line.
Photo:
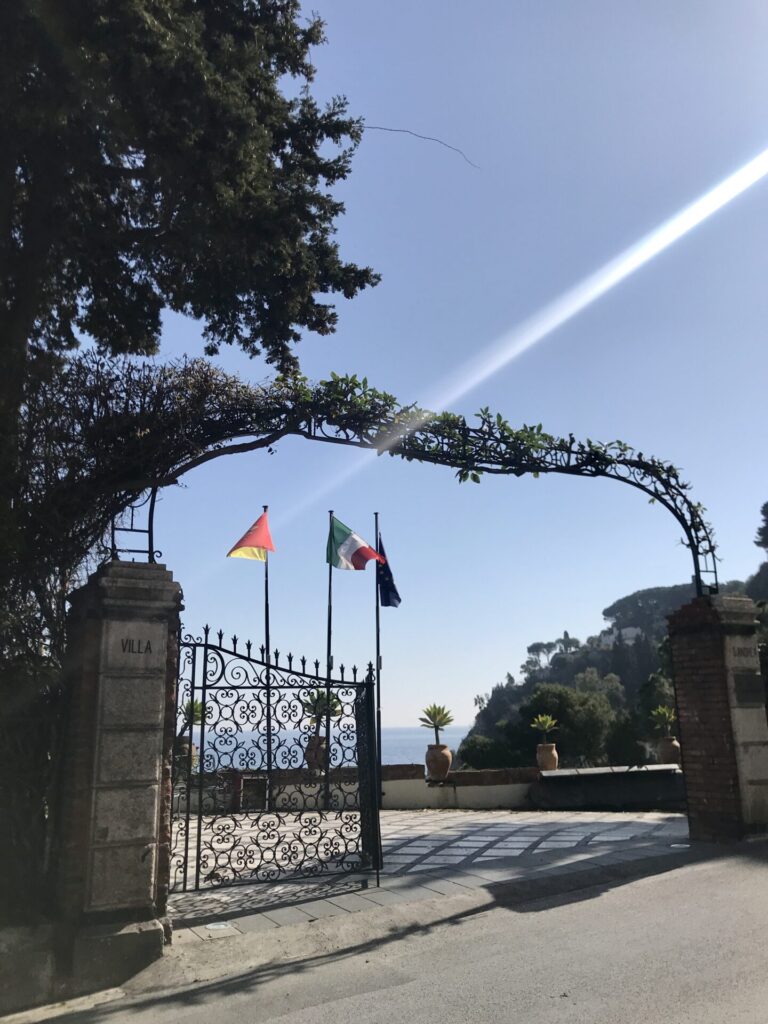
[266,594]
[378,663]
[329,667]
[268,673]
[329,656]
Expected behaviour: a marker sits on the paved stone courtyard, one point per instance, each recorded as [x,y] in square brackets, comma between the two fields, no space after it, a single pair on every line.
[422,840]
[432,853]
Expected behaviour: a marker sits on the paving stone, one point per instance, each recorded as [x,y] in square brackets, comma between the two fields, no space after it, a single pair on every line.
[254,923]
[500,854]
[350,902]
[444,886]
[218,930]
[466,880]
[385,897]
[287,915]
[320,908]
[182,936]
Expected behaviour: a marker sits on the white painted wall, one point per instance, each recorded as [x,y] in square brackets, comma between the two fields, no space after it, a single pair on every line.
[414,794]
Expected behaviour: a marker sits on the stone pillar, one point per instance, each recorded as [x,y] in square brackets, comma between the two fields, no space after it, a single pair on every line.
[722,716]
[114,817]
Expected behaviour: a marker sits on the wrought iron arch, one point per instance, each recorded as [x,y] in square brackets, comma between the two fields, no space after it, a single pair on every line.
[493,447]
[222,415]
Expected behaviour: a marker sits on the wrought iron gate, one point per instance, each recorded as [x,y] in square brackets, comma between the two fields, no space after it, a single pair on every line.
[274,768]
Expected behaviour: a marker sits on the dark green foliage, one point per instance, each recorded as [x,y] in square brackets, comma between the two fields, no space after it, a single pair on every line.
[154,155]
[496,706]
[583,721]
[157,155]
[481,752]
[601,692]
[648,609]
[761,540]
[757,586]
[625,742]
[608,686]
[658,689]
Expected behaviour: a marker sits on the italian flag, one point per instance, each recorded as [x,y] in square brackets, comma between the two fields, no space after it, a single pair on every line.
[346,550]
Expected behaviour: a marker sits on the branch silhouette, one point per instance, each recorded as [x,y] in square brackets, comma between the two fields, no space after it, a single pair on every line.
[427,138]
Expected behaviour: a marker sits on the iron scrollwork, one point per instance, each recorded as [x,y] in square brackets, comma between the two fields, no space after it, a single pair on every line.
[260,791]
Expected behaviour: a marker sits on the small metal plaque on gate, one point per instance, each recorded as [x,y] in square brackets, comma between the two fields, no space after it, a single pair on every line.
[749,688]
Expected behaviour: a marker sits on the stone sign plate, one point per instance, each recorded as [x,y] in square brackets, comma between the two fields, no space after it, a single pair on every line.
[749,688]
[136,646]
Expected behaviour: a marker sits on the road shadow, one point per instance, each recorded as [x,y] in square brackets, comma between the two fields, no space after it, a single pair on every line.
[534,895]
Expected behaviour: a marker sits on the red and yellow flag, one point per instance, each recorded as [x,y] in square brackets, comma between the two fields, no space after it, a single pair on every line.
[255,542]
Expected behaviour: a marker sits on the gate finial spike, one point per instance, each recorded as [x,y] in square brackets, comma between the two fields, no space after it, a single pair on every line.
[234,642]
[220,635]
[277,657]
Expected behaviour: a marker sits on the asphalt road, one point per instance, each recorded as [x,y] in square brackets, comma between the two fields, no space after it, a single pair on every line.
[685,946]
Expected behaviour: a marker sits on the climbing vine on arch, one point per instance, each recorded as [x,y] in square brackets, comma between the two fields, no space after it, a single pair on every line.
[103,431]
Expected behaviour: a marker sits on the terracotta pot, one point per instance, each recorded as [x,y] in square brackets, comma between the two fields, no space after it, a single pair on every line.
[547,757]
[314,752]
[668,750]
[438,760]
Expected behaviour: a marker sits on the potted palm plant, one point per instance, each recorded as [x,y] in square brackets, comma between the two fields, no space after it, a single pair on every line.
[318,707]
[546,753]
[668,747]
[439,757]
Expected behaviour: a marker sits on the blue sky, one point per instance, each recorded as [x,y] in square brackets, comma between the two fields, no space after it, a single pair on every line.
[591,123]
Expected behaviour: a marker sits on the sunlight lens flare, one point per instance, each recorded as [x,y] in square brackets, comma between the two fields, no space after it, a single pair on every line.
[536,328]
[547,320]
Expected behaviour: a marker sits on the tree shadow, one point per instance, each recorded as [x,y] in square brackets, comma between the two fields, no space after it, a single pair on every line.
[193,909]
[534,894]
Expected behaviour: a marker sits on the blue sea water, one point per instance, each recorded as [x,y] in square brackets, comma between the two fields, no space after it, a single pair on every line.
[409,745]
[399,745]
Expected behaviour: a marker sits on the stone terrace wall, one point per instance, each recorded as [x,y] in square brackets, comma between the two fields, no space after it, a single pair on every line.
[405,788]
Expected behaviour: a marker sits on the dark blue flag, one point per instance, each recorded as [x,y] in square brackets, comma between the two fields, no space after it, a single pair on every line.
[388,594]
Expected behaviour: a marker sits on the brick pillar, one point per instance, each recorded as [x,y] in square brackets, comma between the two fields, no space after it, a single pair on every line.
[115,780]
[722,718]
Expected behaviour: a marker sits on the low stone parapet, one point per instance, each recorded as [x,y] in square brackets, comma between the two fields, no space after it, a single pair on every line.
[658,787]
[404,787]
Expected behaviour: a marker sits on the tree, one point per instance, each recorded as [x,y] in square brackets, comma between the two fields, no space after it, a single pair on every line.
[541,650]
[757,585]
[567,643]
[162,155]
[657,690]
[609,686]
[648,609]
[624,744]
[583,721]
[497,706]
[481,752]
[761,540]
